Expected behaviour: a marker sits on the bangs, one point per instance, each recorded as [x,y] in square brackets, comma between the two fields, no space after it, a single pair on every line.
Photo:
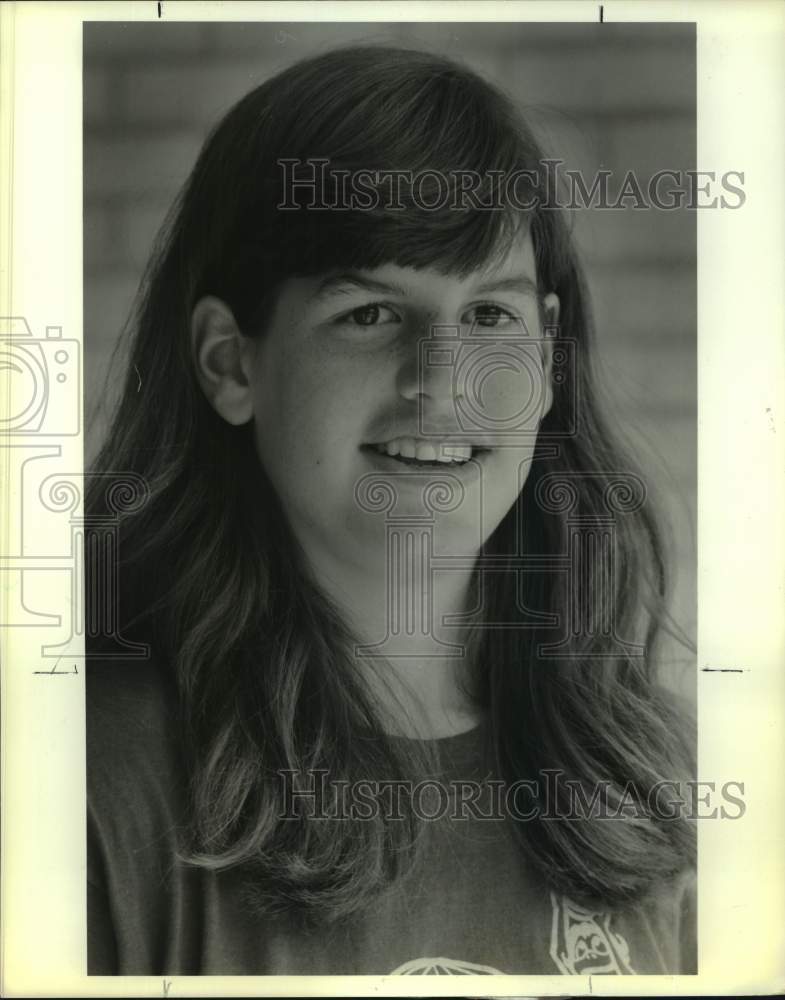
[360,158]
[434,144]
[381,157]
[419,129]
[452,240]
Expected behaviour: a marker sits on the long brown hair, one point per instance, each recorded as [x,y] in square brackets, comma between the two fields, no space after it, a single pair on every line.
[211,575]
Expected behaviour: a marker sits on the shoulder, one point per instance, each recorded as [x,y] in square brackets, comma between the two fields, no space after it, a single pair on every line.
[136,807]
[670,913]
[132,743]
[127,703]
[654,935]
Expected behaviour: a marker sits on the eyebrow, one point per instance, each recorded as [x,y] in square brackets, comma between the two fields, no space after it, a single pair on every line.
[351,279]
[333,283]
[515,283]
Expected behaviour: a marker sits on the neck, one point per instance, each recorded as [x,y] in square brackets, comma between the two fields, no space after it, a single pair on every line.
[417,668]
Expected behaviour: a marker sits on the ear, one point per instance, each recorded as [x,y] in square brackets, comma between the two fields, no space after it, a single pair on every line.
[222,356]
[550,309]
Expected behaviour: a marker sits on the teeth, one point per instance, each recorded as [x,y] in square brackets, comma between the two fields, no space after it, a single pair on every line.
[456,452]
[425,451]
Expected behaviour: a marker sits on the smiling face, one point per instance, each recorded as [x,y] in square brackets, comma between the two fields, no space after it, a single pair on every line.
[411,375]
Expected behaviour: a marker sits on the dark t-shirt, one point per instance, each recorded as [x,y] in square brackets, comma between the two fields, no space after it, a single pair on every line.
[472,905]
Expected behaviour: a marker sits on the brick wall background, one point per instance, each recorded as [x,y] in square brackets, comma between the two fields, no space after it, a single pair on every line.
[617,97]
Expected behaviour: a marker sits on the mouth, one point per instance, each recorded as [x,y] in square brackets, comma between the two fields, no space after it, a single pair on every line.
[431,453]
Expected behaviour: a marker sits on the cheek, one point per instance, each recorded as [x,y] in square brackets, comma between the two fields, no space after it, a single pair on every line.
[308,413]
[505,387]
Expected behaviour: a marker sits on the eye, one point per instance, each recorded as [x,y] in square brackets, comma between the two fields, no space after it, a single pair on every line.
[489,314]
[372,314]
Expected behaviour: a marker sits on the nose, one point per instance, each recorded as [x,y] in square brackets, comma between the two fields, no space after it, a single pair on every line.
[428,372]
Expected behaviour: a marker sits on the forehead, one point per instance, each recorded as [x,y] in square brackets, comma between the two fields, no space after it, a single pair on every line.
[516,260]
[513,270]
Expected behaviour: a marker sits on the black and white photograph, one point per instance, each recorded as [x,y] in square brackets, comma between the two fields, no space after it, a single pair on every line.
[385,685]
[388,489]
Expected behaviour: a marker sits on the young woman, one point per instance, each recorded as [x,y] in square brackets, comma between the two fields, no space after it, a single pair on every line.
[400,594]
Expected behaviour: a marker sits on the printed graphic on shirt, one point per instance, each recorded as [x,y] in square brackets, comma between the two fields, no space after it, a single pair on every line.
[443,967]
[582,941]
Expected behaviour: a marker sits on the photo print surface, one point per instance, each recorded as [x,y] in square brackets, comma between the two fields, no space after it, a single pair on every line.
[390,384]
